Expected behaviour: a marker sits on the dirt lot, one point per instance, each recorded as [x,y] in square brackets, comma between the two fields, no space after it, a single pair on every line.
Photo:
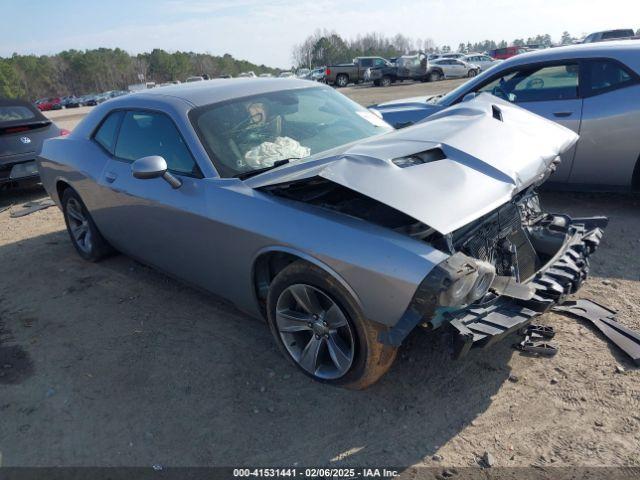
[116,364]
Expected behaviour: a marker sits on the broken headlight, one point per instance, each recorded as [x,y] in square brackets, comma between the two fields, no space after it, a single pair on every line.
[469,278]
[459,280]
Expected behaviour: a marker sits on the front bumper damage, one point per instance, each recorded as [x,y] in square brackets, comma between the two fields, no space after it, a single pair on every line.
[483,324]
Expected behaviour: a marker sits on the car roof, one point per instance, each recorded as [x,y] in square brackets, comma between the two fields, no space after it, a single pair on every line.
[628,51]
[221,89]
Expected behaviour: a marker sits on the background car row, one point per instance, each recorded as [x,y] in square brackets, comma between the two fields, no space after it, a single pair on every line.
[58,103]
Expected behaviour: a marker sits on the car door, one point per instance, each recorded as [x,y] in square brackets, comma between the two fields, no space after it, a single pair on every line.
[446,67]
[459,68]
[609,147]
[550,90]
[148,219]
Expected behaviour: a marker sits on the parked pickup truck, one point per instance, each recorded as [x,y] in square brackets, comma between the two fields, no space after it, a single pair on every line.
[377,69]
[417,67]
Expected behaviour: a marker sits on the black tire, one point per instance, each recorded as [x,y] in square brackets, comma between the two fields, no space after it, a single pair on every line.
[385,81]
[342,80]
[371,359]
[97,247]
[472,73]
[376,83]
[434,76]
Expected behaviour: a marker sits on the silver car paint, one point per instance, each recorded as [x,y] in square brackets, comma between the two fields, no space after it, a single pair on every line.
[609,146]
[211,231]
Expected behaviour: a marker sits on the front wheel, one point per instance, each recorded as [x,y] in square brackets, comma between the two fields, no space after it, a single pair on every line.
[319,327]
[385,81]
[472,73]
[84,234]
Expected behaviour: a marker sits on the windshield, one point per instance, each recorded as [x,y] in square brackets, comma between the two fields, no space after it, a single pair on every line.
[254,132]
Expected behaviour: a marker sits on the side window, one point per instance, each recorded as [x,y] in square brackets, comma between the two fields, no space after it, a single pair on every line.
[366,62]
[106,134]
[604,75]
[146,133]
[379,62]
[555,82]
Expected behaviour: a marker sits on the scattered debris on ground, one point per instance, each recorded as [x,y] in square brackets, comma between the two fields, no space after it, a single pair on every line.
[30,207]
[603,319]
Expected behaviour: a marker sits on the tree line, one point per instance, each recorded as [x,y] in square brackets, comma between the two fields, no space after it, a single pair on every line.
[325,47]
[80,72]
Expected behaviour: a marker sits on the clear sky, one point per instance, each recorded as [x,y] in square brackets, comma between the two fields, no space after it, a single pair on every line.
[264,31]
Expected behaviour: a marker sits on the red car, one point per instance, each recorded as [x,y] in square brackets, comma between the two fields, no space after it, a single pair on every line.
[49,104]
[507,52]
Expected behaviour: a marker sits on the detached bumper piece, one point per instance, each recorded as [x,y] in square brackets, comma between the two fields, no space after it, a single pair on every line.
[566,274]
[533,334]
[482,326]
[603,319]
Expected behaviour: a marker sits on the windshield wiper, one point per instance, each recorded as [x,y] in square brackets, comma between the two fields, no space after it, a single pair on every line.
[258,171]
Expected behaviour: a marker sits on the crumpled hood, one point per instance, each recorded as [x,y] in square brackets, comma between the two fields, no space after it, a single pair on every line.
[493,150]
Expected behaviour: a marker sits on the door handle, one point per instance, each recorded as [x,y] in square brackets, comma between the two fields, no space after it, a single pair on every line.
[110,177]
[562,114]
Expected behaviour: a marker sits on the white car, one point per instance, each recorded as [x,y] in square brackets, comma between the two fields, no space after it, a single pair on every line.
[454,68]
[286,75]
[452,55]
[481,60]
[247,75]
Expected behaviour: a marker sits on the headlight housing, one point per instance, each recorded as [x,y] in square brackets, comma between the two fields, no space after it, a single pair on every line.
[458,281]
[469,278]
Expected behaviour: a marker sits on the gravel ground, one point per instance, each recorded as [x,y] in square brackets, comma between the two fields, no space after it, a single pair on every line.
[115,364]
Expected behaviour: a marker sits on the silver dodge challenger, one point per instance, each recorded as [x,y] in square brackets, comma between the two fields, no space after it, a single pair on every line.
[304,208]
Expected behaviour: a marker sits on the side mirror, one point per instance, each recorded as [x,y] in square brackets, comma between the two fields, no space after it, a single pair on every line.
[154,166]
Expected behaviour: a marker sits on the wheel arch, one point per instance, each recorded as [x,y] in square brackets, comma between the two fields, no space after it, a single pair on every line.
[270,261]
[61,186]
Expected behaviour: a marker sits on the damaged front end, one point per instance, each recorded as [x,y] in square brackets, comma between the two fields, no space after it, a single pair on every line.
[506,268]
[463,181]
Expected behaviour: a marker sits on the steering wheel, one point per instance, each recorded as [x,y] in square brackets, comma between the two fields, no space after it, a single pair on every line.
[536,82]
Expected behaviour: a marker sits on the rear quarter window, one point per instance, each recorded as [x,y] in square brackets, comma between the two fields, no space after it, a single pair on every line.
[105,136]
[605,75]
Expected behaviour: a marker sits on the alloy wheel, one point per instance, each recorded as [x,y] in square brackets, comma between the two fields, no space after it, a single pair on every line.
[79,225]
[315,331]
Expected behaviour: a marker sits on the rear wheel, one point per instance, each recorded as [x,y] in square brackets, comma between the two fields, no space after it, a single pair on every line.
[435,76]
[318,326]
[342,80]
[84,234]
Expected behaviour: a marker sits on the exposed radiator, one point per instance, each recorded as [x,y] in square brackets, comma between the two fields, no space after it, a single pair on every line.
[501,240]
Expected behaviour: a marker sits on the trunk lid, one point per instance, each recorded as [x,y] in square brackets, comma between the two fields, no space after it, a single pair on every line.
[22,128]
